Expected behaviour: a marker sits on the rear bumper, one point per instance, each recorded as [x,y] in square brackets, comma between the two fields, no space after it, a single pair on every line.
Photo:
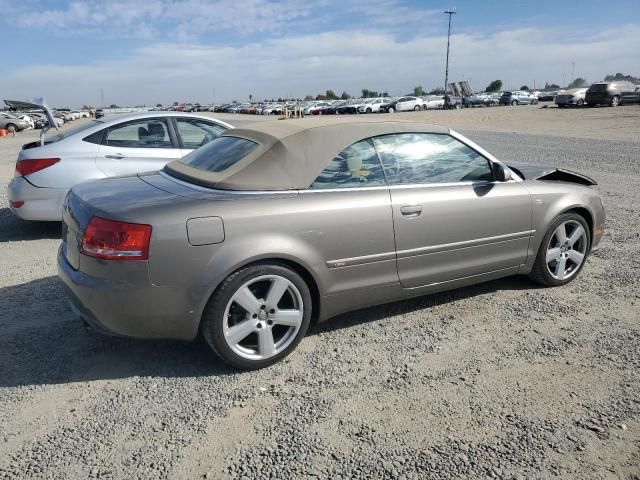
[123,302]
[39,203]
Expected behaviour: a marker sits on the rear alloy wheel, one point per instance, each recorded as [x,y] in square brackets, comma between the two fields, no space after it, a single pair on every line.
[563,251]
[11,128]
[615,101]
[391,110]
[257,316]
[514,102]
[417,108]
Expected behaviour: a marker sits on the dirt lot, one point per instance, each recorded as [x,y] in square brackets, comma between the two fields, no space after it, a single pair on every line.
[502,380]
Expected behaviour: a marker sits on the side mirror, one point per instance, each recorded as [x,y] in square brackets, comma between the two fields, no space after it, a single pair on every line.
[503,174]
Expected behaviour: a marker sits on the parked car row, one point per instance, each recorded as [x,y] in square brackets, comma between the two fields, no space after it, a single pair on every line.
[15,121]
[611,94]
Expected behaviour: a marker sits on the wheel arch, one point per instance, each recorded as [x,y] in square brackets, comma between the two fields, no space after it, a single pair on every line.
[588,217]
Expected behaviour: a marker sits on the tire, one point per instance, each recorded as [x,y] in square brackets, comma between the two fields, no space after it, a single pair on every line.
[514,102]
[417,108]
[252,286]
[553,249]
[615,101]
[391,110]
[369,110]
[580,103]
[457,106]
[11,128]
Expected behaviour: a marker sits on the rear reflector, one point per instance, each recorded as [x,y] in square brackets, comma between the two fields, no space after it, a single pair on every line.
[16,203]
[32,165]
[114,240]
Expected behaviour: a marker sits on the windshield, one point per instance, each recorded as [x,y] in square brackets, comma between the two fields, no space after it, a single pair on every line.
[57,136]
[219,154]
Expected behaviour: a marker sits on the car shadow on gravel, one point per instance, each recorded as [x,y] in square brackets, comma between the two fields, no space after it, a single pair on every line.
[14,229]
[42,343]
[381,312]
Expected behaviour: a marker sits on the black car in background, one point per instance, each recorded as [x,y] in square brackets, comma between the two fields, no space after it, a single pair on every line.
[612,94]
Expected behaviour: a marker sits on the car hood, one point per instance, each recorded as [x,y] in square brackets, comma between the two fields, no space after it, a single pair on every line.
[540,172]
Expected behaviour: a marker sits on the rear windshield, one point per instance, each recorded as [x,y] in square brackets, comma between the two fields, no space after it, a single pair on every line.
[219,154]
[67,132]
[598,87]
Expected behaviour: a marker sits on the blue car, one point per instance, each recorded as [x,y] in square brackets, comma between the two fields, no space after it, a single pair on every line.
[517,97]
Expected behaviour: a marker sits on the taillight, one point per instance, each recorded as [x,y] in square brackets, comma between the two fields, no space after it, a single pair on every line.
[115,240]
[32,165]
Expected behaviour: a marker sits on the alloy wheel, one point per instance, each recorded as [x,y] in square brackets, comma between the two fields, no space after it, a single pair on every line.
[566,250]
[263,317]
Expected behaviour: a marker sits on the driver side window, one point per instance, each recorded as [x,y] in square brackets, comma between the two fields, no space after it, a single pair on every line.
[356,166]
[196,133]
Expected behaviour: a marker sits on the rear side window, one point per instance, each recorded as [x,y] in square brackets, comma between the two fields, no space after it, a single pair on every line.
[356,166]
[148,133]
[219,154]
[598,87]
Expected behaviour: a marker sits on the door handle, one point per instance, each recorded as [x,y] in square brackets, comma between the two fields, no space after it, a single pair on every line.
[411,210]
[116,156]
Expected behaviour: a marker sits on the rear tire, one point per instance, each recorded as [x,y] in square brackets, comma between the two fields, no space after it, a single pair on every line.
[615,101]
[391,110]
[11,128]
[417,108]
[514,103]
[558,253]
[580,103]
[271,328]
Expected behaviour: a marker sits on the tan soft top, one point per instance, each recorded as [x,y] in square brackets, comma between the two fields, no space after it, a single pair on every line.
[292,153]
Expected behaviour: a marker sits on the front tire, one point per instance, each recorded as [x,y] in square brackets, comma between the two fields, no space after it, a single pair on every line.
[615,101]
[11,128]
[391,110]
[563,251]
[417,108]
[257,316]
[514,103]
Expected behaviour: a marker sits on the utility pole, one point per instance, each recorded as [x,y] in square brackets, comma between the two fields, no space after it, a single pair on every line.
[573,65]
[102,97]
[450,11]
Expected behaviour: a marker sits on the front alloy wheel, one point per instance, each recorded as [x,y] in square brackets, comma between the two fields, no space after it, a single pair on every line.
[257,316]
[563,251]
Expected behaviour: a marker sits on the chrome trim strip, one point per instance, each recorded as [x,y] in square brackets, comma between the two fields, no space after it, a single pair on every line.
[465,244]
[381,257]
[350,262]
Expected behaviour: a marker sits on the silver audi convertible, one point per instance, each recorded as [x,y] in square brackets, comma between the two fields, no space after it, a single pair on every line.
[268,228]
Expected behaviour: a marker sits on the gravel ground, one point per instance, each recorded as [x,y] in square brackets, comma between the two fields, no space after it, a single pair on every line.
[502,380]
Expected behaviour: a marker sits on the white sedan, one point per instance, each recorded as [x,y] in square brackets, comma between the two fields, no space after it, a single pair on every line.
[406,104]
[109,147]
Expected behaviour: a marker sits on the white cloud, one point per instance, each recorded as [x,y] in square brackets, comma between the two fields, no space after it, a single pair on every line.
[309,64]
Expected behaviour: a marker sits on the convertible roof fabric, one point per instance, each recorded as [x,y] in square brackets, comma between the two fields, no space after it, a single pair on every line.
[292,153]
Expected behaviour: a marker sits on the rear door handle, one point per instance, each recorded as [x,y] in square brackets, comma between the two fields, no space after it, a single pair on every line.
[116,156]
[411,210]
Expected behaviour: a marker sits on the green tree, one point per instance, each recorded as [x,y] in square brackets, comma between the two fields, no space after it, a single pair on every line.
[330,95]
[622,76]
[437,91]
[308,98]
[365,93]
[417,91]
[577,83]
[158,105]
[250,97]
[175,104]
[494,86]
[345,96]
[525,88]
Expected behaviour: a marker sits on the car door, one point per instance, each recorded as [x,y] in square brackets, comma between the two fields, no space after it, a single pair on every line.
[451,218]
[346,213]
[195,132]
[140,145]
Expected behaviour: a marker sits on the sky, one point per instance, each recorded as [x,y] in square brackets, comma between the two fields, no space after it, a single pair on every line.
[161,51]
